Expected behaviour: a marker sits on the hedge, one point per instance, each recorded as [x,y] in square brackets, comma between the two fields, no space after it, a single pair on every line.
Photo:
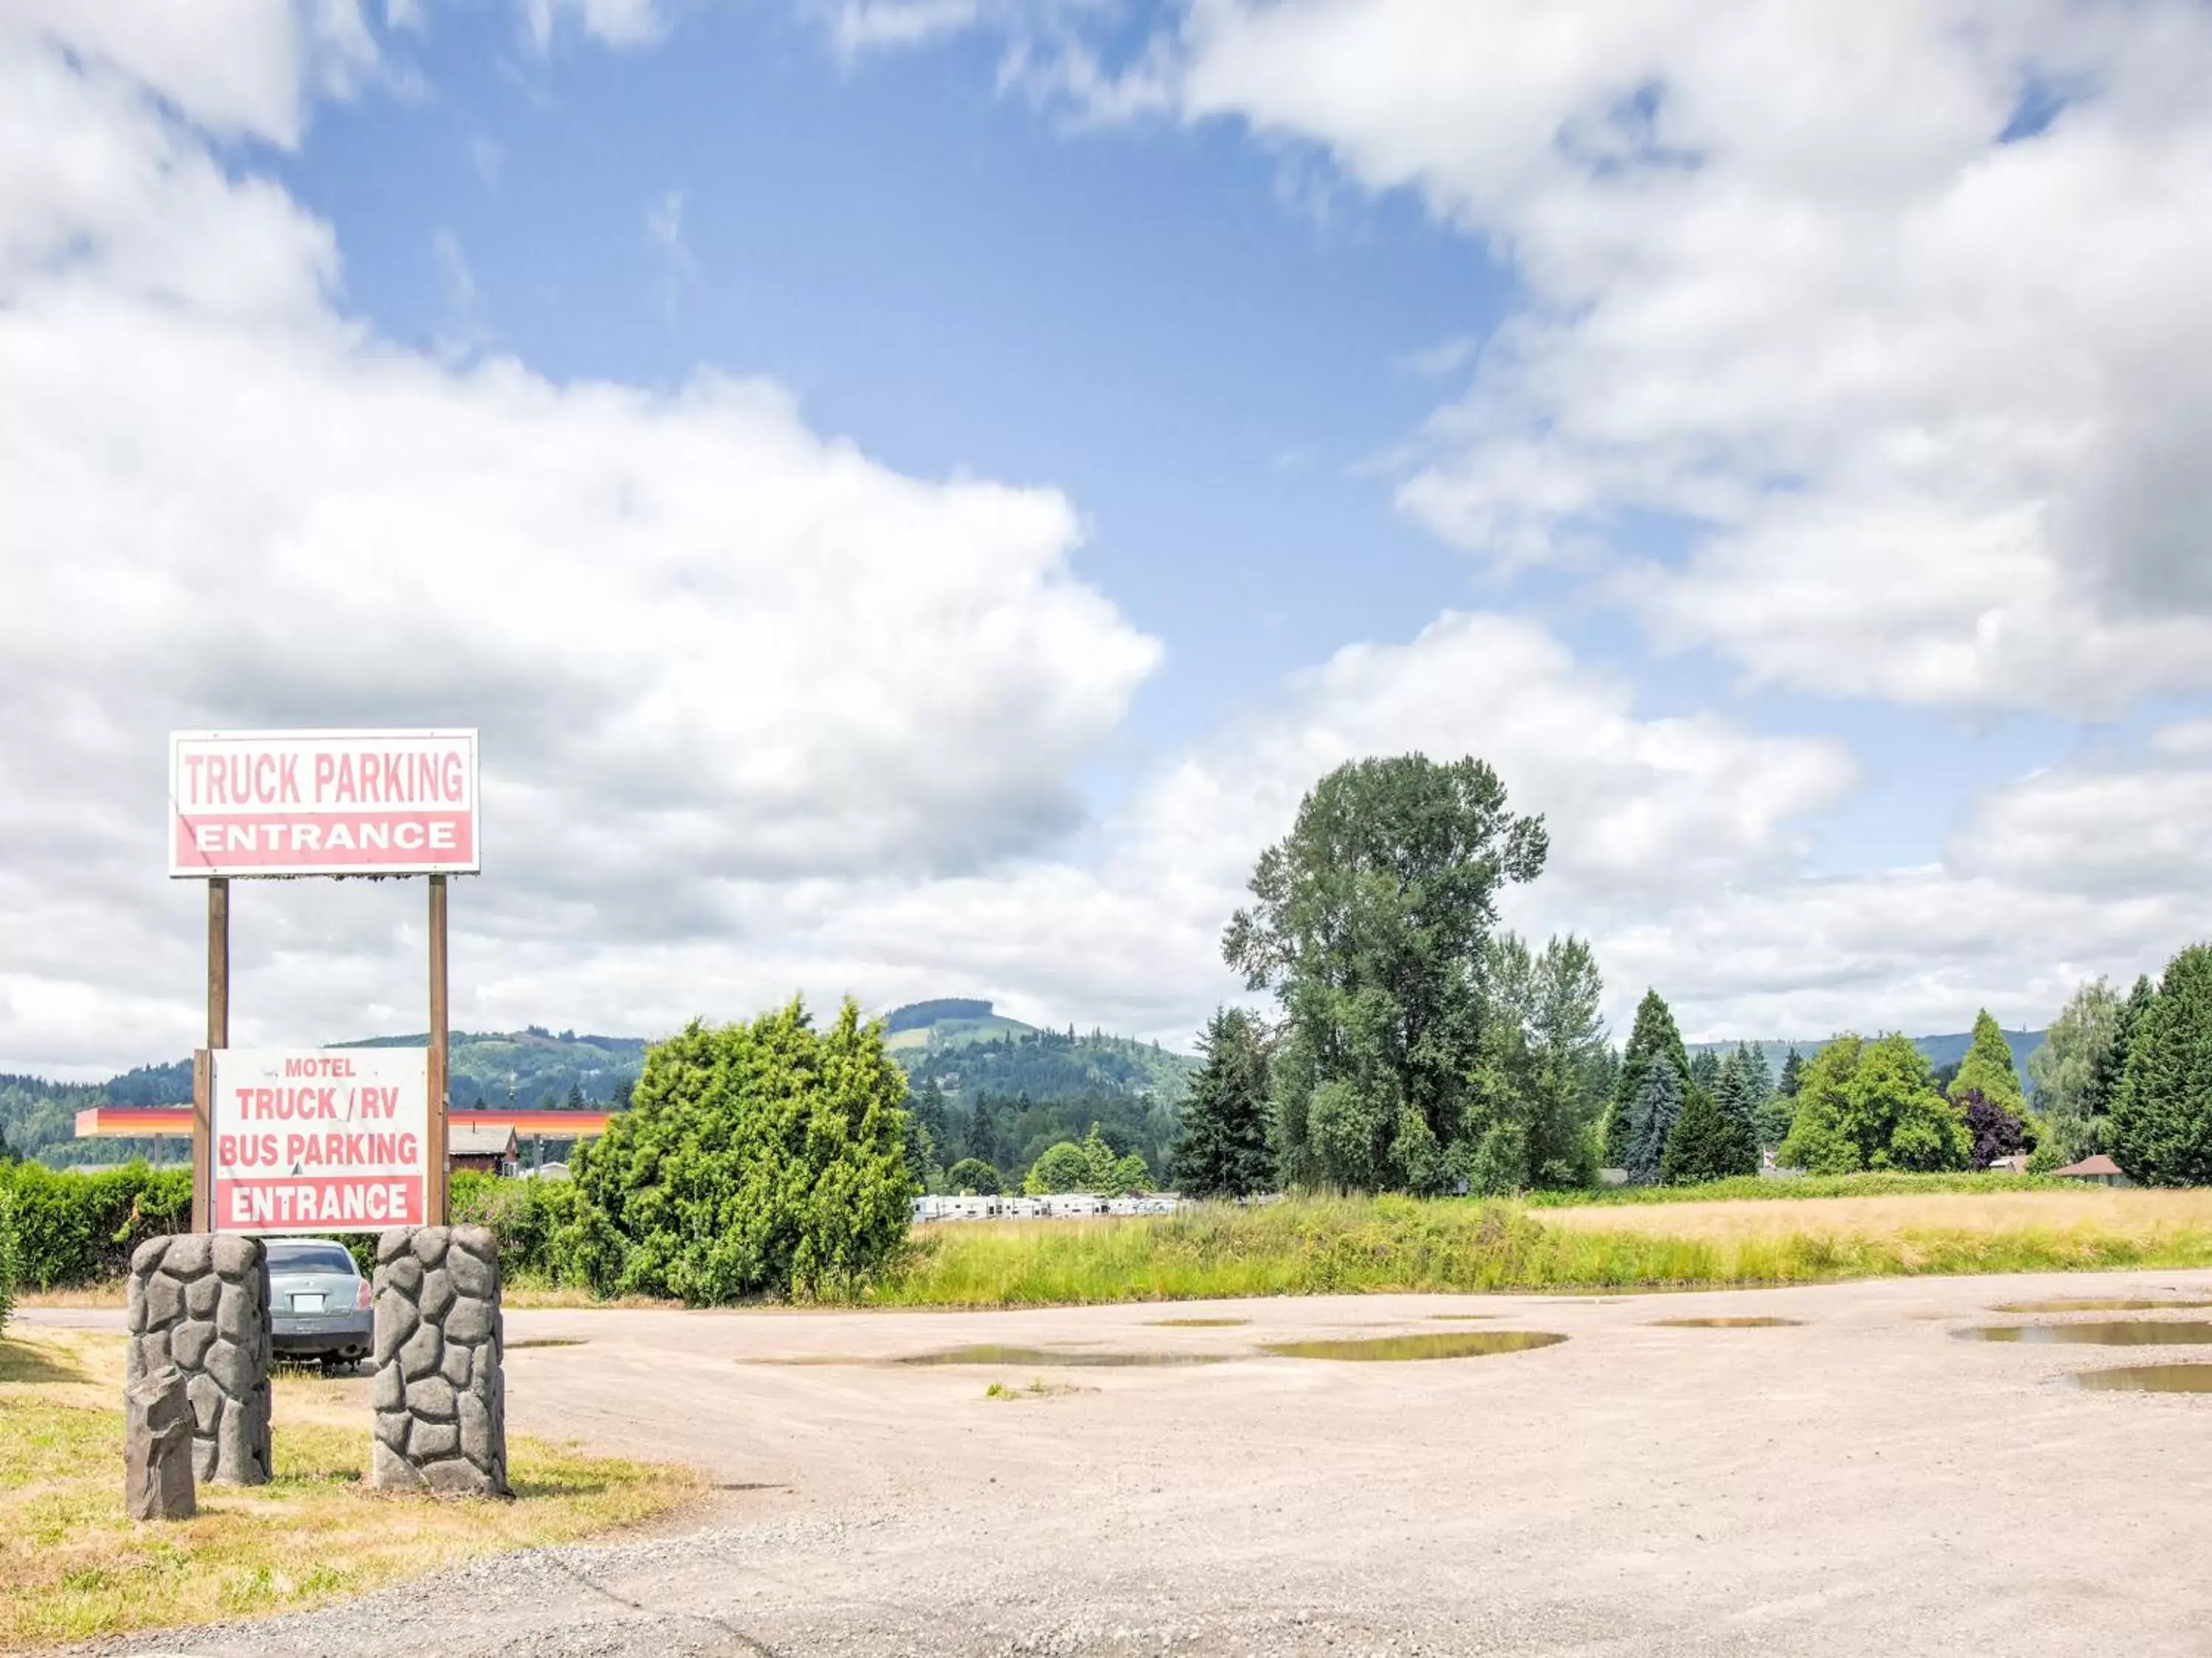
[80,1229]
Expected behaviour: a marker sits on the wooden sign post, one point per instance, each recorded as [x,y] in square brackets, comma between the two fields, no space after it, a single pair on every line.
[281,804]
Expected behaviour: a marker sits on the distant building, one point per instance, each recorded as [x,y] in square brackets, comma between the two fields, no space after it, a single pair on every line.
[481,1146]
[2098,1170]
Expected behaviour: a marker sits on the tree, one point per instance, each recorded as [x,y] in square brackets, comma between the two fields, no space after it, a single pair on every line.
[2161,1123]
[1793,1066]
[1651,1038]
[1866,1105]
[1708,1141]
[1741,1093]
[2064,1072]
[1705,1070]
[1128,1177]
[1222,1150]
[2111,1070]
[1552,1063]
[757,1158]
[1987,1068]
[1997,1132]
[1064,1168]
[1651,1119]
[971,1177]
[1098,1159]
[575,1100]
[986,1140]
[1370,924]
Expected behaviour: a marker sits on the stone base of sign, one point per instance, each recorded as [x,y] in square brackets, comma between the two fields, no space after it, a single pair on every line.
[200,1302]
[441,1389]
[157,1446]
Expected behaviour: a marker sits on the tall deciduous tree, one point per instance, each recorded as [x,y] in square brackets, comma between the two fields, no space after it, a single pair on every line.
[1653,1037]
[2066,1070]
[2163,1120]
[1557,1077]
[1866,1105]
[1369,922]
[1222,1150]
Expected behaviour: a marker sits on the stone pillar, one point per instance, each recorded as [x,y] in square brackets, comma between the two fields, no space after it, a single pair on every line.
[200,1302]
[157,1446]
[440,1388]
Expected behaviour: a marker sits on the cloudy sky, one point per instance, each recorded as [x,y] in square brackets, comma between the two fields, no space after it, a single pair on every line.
[913,490]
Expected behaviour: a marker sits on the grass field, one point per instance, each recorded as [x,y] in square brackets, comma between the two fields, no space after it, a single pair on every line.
[1333,1245]
[73,1566]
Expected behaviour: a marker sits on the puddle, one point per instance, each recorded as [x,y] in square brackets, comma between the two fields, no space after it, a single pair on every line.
[2111,1304]
[2104,1333]
[1726,1324]
[2146,1378]
[1444,1345]
[545,1341]
[1195,1324]
[993,1353]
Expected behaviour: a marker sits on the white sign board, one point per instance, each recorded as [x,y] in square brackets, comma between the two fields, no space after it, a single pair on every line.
[322,803]
[319,1141]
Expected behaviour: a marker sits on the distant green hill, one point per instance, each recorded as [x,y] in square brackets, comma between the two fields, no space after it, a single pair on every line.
[1939,1050]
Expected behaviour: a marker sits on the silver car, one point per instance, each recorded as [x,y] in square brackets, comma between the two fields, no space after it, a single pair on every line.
[318,1302]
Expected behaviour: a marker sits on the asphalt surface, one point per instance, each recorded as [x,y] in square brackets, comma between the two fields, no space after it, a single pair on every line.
[1861,1482]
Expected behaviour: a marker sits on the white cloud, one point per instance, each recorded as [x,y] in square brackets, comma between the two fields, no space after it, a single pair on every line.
[619,23]
[1937,400]
[707,647]
[861,26]
[663,229]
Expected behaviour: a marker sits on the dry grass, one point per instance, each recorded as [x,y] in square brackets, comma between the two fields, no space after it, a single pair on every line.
[2142,1217]
[72,1566]
[108,1292]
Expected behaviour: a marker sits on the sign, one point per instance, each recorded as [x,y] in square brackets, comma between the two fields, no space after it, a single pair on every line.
[322,803]
[319,1141]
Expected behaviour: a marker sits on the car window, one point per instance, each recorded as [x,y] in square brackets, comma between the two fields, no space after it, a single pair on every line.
[308,1258]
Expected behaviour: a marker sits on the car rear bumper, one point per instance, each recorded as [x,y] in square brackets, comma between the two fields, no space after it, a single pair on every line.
[330,1333]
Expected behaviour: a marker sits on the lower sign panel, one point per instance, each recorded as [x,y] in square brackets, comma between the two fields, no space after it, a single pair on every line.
[319,1141]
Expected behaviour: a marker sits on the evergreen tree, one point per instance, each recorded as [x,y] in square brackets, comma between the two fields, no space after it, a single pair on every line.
[1709,1139]
[985,1135]
[2161,1123]
[1651,1119]
[2112,1068]
[1793,1067]
[1705,1070]
[1222,1150]
[1652,1037]
[1988,1069]
[576,1100]
[928,1109]
[1739,1093]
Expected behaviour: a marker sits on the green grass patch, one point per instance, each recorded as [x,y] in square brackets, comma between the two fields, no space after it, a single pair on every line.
[1806,1186]
[1335,1245]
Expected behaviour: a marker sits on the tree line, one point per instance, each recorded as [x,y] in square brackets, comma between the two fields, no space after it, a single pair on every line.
[1417,1047]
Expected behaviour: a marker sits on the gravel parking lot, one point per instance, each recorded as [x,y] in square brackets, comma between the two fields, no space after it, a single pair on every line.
[1860,1482]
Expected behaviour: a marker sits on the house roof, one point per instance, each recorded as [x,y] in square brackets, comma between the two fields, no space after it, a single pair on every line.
[2100,1164]
[479,1139]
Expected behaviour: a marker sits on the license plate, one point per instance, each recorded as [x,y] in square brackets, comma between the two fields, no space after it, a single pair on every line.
[307,1303]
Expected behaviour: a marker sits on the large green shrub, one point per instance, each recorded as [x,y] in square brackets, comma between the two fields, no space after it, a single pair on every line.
[2161,1123]
[73,1229]
[1866,1105]
[760,1159]
[532,1220]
